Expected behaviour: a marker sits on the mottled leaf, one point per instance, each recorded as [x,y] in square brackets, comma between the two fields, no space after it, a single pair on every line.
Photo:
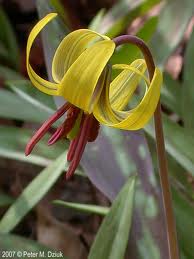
[108,162]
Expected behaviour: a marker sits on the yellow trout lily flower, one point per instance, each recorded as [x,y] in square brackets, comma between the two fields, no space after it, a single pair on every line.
[82,76]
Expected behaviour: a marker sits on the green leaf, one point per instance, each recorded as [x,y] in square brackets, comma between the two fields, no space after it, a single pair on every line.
[179,143]
[19,244]
[15,107]
[52,34]
[32,194]
[5,199]
[171,94]
[9,74]
[58,8]
[87,208]
[4,54]
[96,21]
[173,21]
[8,38]
[185,220]
[188,86]
[13,141]
[182,207]
[178,175]
[112,237]
[29,93]
[123,13]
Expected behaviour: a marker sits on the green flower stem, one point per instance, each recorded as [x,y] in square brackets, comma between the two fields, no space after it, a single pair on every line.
[163,168]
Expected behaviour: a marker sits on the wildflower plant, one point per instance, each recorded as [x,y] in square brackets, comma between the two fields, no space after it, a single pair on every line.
[82,76]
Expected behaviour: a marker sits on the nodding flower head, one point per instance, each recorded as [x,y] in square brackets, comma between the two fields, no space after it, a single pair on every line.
[82,76]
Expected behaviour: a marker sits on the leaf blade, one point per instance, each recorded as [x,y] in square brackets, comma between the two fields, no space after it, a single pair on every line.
[115,226]
[187,87]
[87,208]
[32,194]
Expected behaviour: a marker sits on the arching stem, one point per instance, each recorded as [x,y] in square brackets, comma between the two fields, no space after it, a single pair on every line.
[163,168]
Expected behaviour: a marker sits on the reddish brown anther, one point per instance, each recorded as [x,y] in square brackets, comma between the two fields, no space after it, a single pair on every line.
[94,130]
[65,128]
[89,128]
[45,127]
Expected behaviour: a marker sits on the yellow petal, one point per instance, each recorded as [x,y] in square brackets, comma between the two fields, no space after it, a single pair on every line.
[70,48]
[124,85]
[83,82]
[42,84]
[109,111]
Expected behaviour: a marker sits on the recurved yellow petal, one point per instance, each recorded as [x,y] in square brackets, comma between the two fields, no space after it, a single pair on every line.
[70,48]
[124,85]
[42,84]
[109,110]
[83,82]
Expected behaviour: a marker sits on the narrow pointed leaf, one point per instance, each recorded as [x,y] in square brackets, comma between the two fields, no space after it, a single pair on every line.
[87,208]
[115,228]
[32,194]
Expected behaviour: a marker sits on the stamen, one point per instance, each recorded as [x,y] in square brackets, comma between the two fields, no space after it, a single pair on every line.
[72,149]
[93,134]
[66,127]
[45,127]
[56,136]
[83,139]
[74,142]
